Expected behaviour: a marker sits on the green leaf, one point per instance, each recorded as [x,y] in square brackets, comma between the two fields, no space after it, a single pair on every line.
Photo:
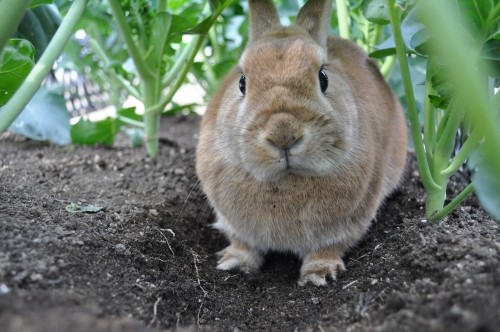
[73,207]
[129,113]
[486,181]
[201,28]
[16,62]
[45,118]
[491,54]
[376,11]
[36,3]
[38,26]
[100,132]
[439,102]
[382,53]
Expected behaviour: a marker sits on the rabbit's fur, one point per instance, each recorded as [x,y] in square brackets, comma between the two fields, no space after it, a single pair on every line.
[289,167]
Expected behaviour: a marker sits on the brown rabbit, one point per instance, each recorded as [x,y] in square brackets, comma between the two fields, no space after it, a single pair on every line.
[300,144]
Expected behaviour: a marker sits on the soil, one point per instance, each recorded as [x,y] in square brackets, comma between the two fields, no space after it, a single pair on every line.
[146,262]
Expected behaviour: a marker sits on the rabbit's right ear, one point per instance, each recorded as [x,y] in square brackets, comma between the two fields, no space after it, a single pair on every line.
[263,16]
[315,18]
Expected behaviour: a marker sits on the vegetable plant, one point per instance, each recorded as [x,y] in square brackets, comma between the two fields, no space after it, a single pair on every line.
[457,101]
[153,39]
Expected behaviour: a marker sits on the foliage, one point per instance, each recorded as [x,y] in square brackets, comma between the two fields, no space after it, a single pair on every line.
[16,61]
[32,82]
[455,94]
[45,118]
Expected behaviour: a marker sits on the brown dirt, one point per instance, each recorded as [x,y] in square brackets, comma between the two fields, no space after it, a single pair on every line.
[123,269]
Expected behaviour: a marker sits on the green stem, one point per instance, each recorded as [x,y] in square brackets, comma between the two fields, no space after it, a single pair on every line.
[388,66]
[343,18]
[454,203]
[212,34]
[429,110]
[142,68]
[130,121]
[151,119]
[180,78]
[446,142]
[161,5]
[434,199]
[101,53]
[35,78]
[463,72]
[423,165]
[464,153]
[179,63]
[12,13]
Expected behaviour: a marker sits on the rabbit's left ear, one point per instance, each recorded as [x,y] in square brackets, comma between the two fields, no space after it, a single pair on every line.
[314,17]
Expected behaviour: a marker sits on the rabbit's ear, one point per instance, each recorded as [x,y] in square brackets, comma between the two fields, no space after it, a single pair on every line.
[263,16]
[314,16]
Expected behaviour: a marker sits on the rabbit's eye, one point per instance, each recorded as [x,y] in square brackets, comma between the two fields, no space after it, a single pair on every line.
[243,84]
[323,80]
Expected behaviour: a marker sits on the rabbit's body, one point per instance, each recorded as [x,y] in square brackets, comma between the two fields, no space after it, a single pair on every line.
[290,167]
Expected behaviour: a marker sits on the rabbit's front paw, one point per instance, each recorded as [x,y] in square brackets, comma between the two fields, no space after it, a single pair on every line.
[239,256]
[317,267]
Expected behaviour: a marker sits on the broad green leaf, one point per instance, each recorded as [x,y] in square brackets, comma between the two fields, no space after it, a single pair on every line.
[201,28]
[382,53]
[129,113]
[180,24]
[45,118]
[73,207]
[491,53]
[16,61]
[411,26]
[100,132]
[376,11]
[486,181]
[38,26]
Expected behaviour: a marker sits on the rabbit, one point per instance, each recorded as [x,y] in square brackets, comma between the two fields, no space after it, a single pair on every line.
[300,145]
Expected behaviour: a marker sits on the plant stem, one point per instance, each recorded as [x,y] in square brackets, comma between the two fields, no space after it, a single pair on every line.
[464,74]
[388,66]
[343,18]
[454,203]
[12,13]
[181,60]
[161,5]
[151,119]
[142,68]
[35,78]
[446,142]
[429,110]
[423,165]
[101,53]
[464,153]
[180,78]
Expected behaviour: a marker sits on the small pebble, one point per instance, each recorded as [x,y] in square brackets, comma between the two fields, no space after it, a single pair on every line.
[179,171]
[315,300]
[4,289]
[122,250]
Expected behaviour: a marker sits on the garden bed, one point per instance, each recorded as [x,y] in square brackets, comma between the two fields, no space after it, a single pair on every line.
[146,262]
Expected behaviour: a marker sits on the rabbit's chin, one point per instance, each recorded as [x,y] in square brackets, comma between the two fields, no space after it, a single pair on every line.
[282,170]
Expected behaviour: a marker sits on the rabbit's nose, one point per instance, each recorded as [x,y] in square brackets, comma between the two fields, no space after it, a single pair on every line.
[283,131]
